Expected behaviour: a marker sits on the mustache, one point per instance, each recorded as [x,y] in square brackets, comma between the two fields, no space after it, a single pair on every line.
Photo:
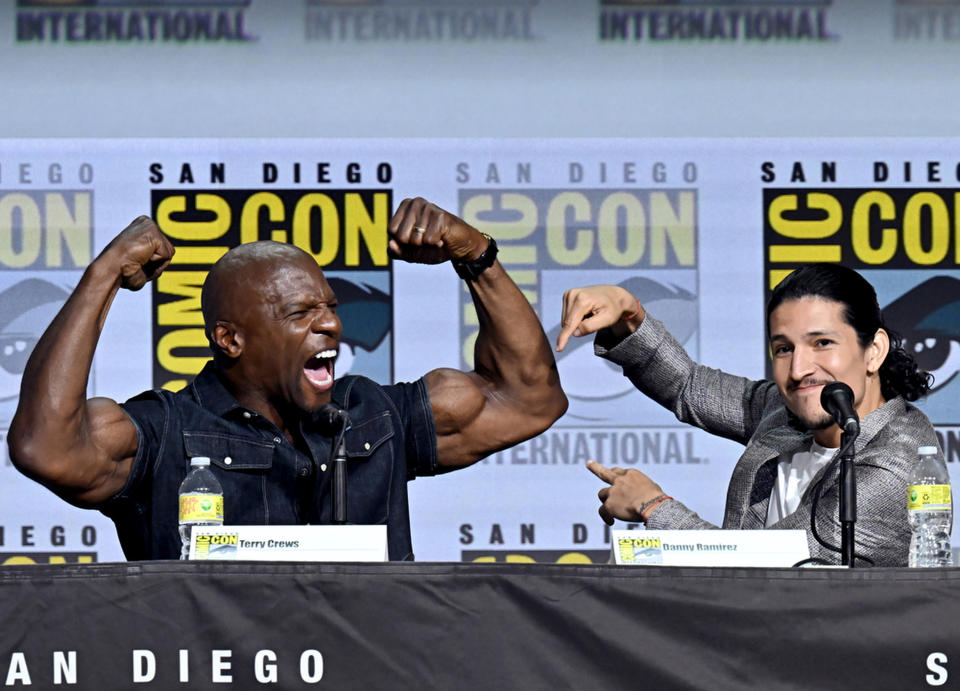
[809,381]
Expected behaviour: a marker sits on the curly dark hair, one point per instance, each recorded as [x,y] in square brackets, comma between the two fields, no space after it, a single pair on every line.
[899,374]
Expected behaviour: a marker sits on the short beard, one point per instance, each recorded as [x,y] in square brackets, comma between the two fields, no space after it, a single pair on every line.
[822,422]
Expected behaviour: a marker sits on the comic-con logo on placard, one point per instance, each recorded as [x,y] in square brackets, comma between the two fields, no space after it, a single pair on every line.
[46,240]
[644,240]
[926,20]
[731,21]
[904,241]
[422,21]
[344,230]
[131,21]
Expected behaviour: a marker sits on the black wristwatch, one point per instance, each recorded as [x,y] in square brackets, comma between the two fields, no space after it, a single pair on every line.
[470,270]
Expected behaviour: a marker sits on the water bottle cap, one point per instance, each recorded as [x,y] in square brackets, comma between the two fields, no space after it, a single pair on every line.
[199,460]
[927,451]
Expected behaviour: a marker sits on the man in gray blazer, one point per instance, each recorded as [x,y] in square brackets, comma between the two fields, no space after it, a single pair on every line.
[824,325]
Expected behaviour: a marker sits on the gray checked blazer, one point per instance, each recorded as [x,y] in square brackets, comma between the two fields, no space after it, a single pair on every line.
[753,413]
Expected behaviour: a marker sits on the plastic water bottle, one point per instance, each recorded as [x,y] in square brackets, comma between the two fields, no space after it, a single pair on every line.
[930,510]
[201,501]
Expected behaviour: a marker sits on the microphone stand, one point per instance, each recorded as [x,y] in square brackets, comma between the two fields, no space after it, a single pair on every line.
[339,486]
[848,497]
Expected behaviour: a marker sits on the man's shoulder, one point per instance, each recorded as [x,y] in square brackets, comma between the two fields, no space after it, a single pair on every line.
[164,396]
[187,401]
[901,428]
[354,390]
[897,416]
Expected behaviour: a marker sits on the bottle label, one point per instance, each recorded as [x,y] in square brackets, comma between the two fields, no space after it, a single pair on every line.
[928,497]
[201,507]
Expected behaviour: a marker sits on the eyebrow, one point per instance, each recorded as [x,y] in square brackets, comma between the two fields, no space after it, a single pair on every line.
[809,334]
[306,303]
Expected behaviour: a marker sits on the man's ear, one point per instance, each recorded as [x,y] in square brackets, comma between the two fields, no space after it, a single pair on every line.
[228,339]
[877,351]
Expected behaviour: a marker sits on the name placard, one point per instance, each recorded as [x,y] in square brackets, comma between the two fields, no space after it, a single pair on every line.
[290,542]
[766,548]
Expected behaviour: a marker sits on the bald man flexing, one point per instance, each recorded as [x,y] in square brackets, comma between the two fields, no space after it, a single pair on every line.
[270,317]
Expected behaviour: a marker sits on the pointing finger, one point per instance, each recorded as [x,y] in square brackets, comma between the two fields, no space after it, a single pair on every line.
[605,474]
[571,323]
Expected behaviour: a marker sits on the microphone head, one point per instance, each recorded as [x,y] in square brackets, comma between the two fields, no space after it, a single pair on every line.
[836,391]
[837,399]
[331,418]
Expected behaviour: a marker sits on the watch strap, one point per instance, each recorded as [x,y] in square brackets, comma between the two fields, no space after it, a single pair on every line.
[471,270]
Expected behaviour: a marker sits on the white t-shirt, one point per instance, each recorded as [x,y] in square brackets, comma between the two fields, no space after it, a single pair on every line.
[793,476]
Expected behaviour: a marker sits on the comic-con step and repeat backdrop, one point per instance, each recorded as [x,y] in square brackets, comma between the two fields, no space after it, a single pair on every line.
[698,229]
[499,68]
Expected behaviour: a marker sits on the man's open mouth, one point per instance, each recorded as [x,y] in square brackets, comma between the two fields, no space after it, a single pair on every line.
[319,369]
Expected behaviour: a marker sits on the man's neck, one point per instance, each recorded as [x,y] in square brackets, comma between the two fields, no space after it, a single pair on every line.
[285,417]
[828,438]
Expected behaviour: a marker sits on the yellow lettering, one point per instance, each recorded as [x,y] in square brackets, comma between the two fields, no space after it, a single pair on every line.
[468,345]
[860,228]
[358,223]
[191,256]
[608,229]
[31,230]
[806,230]
[182,338]
[329,227]
[564,204]
[956,228]
[66,229]
[783,254]
[777,275]
[185,312]
[250,217]
[195,231]
[679,228]
[913,228]
[506,231]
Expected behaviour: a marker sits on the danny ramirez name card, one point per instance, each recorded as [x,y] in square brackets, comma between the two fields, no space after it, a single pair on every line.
[768,548]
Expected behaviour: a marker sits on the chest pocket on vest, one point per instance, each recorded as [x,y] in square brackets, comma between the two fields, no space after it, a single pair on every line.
[372,471]
[243,467]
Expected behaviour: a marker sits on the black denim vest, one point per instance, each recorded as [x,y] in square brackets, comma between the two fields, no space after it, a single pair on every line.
[265,479]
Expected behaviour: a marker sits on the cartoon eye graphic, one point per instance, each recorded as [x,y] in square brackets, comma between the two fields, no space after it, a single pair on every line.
[927,317]
[937,353]
[14,351]
[26,309]
[366,316]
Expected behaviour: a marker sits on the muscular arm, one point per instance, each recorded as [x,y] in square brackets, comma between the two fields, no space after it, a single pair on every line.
[82,449]
[514,391]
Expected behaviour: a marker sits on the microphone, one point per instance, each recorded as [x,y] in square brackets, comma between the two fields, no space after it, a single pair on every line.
[332,419]
[837,399]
